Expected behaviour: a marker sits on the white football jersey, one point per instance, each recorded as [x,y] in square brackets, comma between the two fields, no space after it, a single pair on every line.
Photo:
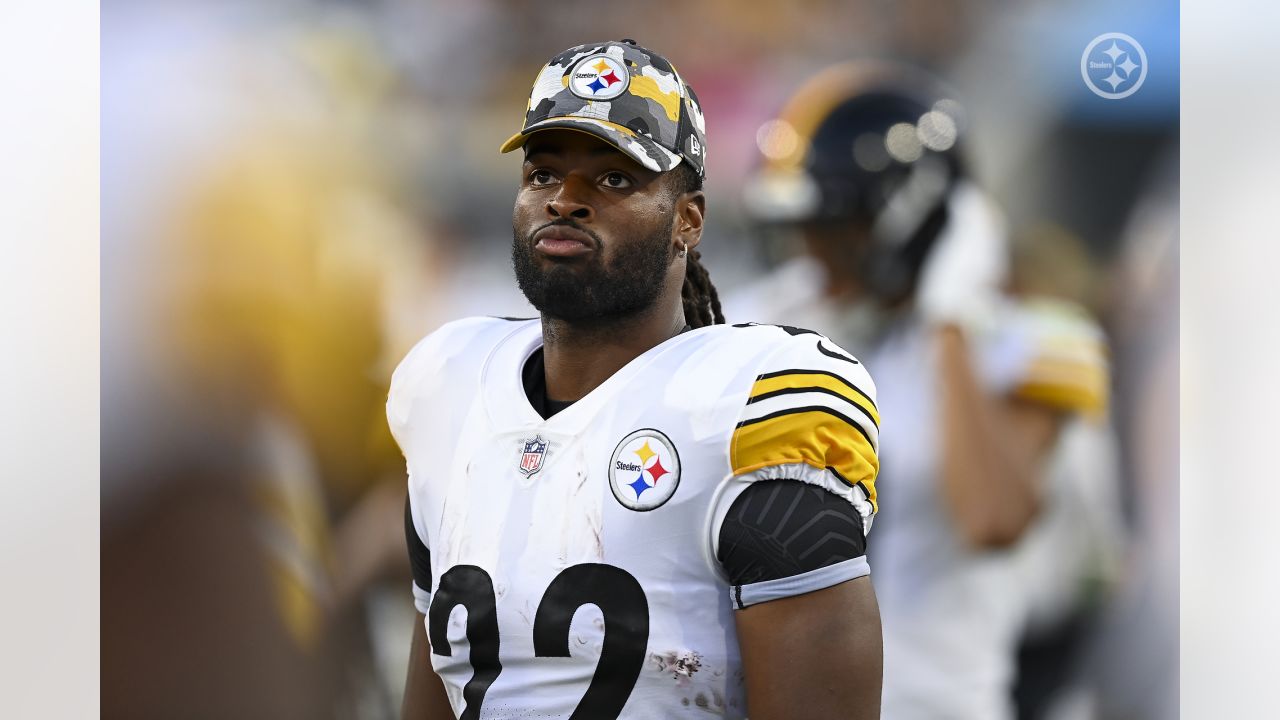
[573,559]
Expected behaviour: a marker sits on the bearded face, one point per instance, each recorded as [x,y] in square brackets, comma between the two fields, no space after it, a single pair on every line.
[622,277]
[594,232]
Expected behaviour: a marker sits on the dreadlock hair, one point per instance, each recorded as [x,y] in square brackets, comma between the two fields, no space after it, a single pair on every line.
[701,301]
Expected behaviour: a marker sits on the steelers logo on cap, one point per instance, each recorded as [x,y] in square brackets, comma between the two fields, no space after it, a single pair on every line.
[644,470]
[599,77]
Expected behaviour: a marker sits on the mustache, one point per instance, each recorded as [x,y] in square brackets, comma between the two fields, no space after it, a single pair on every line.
[564,222]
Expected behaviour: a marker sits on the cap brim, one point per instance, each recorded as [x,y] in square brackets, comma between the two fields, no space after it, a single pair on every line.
[638,147]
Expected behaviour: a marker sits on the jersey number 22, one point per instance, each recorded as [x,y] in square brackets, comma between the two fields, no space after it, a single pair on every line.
[626,630]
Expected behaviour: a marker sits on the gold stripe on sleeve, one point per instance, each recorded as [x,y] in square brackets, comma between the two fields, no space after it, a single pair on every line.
[1077,387]
[818,437]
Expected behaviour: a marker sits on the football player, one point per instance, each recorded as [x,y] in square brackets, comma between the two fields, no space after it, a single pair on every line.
[626,508]
[905,256]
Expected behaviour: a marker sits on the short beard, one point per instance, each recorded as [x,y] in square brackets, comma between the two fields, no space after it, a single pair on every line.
[627,286]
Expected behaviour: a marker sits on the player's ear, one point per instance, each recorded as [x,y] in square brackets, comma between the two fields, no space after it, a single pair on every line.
[691,208]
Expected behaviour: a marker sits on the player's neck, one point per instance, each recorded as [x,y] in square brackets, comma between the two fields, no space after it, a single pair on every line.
[580,356]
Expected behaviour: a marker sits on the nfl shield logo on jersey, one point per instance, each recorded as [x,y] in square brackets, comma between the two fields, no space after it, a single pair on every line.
[531,459]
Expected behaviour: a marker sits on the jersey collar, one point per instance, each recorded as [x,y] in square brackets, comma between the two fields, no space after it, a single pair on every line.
[507,406]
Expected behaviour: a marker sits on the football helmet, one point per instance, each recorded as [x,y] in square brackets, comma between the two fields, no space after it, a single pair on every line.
[867,143]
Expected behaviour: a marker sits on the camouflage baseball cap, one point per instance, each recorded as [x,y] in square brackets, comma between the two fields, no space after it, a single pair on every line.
[628,96]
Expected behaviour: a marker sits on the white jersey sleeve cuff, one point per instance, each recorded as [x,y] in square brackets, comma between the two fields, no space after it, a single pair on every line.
[818,477]
[744,596]
[421,598]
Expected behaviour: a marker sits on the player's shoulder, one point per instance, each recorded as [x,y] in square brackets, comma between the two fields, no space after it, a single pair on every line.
[456,342]
[447,355]
[806,354]
[790,371]
[809,414]
[1063,353]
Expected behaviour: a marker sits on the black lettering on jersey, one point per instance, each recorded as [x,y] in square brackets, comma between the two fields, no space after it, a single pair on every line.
[615,591]
[836,354]
[472,588]
[626,632]
[788,329]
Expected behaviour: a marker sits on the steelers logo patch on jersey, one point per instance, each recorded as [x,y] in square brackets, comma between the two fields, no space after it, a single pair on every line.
[644,470]
[599,77]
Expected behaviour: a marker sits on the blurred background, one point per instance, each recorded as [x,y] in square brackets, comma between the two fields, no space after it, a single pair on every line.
[295,192]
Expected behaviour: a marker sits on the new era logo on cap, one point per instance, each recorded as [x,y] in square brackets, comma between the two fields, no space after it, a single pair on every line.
[624,94]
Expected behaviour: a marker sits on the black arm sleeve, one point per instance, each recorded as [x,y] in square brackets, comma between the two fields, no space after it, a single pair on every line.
[779,528]
[419,555]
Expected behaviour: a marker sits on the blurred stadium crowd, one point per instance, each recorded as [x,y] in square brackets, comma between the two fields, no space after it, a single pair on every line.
[294,192]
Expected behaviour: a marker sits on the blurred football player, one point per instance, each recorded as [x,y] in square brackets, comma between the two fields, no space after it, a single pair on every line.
[626,508]
[250,257]
[904,258]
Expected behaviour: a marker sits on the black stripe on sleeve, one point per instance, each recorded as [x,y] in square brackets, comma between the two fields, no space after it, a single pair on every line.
[825,391]
[779,528]
[419,555]
[810,408]
[849,482]
[865,492]
[846,383]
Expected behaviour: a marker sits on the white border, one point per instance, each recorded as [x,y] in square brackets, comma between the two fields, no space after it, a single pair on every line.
[50,384]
